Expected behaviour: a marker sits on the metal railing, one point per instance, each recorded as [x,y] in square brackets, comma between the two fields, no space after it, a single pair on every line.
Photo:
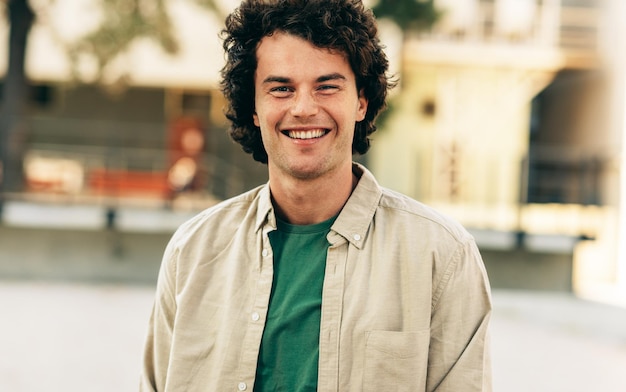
[561,190]
[102,173]
[566,177]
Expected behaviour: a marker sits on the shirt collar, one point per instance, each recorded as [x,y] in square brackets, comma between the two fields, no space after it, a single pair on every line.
[353,220]
[265,209]
[357,214]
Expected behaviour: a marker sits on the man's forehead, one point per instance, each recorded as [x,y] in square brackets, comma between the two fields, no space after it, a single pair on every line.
[278,52]
[282,33]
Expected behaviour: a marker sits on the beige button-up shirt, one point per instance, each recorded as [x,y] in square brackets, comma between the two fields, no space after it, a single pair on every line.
[405,304]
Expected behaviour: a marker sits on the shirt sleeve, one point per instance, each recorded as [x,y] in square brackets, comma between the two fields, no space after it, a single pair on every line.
[459,354]
[160,328]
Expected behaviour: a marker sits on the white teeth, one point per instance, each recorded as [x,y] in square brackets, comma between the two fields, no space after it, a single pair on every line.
[310,134]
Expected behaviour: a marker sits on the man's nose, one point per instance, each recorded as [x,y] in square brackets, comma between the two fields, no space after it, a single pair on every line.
[304,105]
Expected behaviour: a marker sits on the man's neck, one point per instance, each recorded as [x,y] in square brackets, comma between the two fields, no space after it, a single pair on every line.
[306,202]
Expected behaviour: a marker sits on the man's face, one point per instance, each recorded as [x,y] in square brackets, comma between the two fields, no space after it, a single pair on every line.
[307,105]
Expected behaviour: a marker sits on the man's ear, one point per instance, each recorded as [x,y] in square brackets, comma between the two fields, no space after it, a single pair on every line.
[362,106]
[255,118]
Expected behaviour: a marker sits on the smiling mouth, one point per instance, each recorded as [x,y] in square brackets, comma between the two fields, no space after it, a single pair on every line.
[306,135]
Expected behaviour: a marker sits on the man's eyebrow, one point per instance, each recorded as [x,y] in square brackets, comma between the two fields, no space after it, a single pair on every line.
[321,79]
[332,76]
[276,79]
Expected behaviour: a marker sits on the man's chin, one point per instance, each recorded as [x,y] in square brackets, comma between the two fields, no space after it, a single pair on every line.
[306,171]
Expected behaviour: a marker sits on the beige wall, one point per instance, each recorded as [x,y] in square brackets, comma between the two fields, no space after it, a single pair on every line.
[470,149]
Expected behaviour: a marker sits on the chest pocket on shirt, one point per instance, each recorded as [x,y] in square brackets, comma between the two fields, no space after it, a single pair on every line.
[396,361]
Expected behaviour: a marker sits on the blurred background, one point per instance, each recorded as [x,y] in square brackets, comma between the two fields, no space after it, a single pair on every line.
[510,116]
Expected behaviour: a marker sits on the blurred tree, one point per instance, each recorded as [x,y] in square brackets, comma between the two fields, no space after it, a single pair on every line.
[14,91]
[123,22]
[409,15]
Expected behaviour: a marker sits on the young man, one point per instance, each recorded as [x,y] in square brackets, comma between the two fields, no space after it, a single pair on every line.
[320,279]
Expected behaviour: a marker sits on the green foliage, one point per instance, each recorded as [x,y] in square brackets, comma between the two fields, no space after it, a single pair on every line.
[408,14]
[125,21]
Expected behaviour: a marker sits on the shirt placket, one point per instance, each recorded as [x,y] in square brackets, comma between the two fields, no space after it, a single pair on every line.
[332,294]
[256,317]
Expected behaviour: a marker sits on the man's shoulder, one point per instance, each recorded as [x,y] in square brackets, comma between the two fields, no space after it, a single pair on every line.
[421,215]
[223,217]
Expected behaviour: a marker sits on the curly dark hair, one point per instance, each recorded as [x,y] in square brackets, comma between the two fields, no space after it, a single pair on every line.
[342,25]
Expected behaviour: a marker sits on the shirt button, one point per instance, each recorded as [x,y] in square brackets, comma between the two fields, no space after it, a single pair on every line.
[242,386]
[255,316]
[265,252]
[357,237]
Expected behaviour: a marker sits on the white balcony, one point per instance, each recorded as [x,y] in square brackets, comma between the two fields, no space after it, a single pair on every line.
[522,33]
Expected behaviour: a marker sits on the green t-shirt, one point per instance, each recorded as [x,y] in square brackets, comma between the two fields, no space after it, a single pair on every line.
[288,359]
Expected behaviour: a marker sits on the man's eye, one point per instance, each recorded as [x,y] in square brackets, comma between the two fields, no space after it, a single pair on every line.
[327,88]
[280,90]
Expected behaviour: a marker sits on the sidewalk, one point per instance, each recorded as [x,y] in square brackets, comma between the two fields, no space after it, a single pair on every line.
[79,337]
[556,342]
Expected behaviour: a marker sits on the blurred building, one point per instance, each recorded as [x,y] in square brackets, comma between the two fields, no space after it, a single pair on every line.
[509,116]
[151,129]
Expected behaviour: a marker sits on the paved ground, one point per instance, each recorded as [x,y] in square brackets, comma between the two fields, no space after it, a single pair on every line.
[88,338]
